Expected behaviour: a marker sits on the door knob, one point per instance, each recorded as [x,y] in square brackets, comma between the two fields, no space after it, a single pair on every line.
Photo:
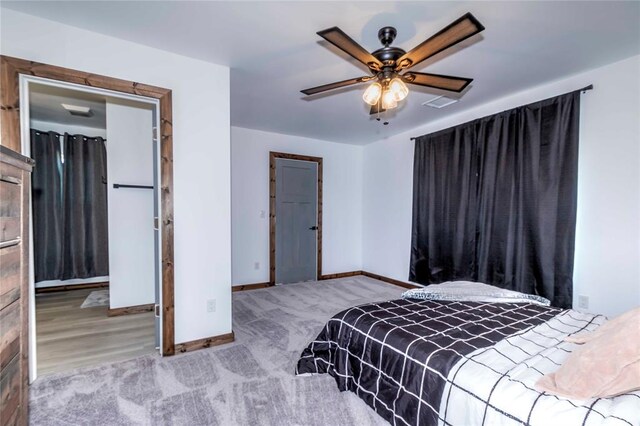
[314,228]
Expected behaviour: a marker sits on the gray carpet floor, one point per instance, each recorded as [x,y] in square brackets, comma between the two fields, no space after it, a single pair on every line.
[248,382]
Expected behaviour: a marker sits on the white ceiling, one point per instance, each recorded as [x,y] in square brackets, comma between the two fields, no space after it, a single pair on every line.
[45,104]
[273,51]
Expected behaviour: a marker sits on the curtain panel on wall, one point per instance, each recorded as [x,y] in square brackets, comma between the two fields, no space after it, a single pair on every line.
[86,248]
[494,200]
[69,206]
[46,184]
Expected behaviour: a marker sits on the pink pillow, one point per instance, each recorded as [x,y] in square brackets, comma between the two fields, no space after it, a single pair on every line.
[608,364]
[605,328]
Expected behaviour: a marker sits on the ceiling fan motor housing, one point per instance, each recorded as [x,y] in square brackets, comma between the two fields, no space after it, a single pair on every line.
[388,55]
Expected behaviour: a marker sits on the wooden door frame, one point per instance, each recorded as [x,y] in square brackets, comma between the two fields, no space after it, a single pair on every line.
[272,210]
[10,71]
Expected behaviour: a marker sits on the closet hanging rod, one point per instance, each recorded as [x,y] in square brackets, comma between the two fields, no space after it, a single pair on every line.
[122,185]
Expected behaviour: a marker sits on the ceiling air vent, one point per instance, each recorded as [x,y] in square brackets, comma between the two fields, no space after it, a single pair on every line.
[440,102]
[78,110]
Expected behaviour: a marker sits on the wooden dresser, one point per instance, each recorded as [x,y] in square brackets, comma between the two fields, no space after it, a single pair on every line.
[15,175]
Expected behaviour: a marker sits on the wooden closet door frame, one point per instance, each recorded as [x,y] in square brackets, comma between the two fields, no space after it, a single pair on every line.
[273,155]
[10,71]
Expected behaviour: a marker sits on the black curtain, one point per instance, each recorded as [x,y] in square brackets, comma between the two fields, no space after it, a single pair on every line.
[69,207]
[86,246]
[495,200]
[47,205]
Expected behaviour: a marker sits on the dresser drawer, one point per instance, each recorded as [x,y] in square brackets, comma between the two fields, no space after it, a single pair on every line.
[10,174]
[9,231]
[11,205]
[11,196]
[10,333]
[10,391]
[10,277]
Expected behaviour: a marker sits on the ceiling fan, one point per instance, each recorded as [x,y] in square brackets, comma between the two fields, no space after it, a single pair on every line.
[387,63]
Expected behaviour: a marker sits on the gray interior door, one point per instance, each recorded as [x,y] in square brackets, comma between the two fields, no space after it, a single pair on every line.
[296,216]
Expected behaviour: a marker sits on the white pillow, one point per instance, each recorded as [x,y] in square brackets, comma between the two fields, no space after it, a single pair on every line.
[468,291]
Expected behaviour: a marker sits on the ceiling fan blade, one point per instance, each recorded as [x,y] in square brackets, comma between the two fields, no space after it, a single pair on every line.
[376,108]
[336,85]
[437,81]
[459,30]
[342,41]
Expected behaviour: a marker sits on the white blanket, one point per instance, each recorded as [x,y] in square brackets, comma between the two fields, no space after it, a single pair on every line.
[496,385]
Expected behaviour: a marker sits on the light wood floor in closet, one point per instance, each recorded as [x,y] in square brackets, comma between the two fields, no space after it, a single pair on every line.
[70,337]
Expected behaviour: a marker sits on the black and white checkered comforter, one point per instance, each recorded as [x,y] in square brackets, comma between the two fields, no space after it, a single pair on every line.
[458,363]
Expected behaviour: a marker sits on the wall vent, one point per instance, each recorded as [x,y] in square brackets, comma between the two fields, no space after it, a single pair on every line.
[440,102]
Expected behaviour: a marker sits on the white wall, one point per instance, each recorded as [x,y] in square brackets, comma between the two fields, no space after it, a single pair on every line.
[607,263]
[46,126]
[131,233]
[201,150]
[341,202]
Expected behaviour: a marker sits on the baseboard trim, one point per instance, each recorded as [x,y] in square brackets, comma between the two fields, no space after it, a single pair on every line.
[389,280]
[56,288]
[207,342]
[255,286]
[335,276]
[340,275]
[128,310]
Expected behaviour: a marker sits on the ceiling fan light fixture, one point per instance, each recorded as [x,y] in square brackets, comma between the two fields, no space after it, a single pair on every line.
[398,89]
[372,95]
[388,100]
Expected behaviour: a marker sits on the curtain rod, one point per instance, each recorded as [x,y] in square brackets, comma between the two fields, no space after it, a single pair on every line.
[583,90]
[60,134]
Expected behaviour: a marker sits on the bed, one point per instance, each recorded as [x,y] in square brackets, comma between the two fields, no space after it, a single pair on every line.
[459,362]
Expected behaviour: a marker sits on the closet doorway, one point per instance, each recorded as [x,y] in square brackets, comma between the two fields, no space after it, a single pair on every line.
[95,249]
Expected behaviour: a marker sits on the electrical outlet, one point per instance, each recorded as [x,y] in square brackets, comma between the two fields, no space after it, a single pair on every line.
[256,266]
[263,214]
[583,302]
[211,305]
